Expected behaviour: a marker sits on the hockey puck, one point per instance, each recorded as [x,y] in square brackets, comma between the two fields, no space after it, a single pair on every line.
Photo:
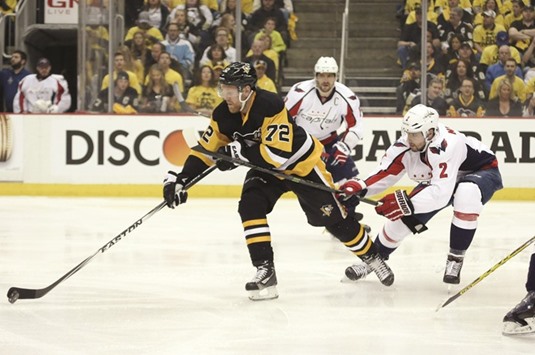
[13,296]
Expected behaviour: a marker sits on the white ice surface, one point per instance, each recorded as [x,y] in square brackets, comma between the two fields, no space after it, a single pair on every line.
[176,284]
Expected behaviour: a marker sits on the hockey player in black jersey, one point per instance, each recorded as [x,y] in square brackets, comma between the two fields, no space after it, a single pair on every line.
[253,125]
[521,319]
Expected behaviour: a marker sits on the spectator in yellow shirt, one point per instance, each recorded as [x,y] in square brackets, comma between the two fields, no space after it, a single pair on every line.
[119,64]
[263,81]
[517,84]
[203,96]
[172,77]
[152,34]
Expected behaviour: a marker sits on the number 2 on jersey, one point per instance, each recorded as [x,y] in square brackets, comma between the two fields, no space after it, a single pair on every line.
[444,167]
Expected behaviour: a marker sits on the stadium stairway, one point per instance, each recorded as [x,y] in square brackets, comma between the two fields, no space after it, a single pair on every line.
[370,65]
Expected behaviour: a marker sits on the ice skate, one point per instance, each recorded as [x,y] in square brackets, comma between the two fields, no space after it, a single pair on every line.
[376,264]
[521,319]
[454,264]
[263,286]
[358,271]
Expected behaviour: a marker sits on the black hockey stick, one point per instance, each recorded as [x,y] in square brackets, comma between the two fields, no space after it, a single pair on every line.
[485,274]
[278,174]
[16,293]
[183,104]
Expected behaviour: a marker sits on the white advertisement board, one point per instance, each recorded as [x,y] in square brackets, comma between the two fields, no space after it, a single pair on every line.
[11,147]
[99,149]
[61,11]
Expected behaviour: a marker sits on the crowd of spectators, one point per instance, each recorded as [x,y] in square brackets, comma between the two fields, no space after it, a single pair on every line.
[479,57]
[174,51]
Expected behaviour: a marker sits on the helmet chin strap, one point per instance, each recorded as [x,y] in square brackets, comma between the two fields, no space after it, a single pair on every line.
[428,140]
[243,102]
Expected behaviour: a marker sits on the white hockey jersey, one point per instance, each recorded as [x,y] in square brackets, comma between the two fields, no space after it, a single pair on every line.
[323,120]
[51,95]
[449,156]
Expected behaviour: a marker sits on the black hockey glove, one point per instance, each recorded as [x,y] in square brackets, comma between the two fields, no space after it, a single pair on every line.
[173,189]
[232,150]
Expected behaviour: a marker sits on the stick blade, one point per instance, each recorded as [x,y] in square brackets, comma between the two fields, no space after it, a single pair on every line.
[16,293]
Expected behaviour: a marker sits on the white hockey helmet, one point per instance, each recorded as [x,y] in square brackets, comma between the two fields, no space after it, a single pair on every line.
[420,118]
[326,65]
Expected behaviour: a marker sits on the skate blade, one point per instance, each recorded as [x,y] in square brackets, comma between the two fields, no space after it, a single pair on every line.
[268,293]
[347,280]
[512,328]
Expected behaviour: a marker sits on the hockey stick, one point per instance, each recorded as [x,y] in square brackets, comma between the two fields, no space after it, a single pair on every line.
[280,175]
[485,274]
[16,293]
[183,105]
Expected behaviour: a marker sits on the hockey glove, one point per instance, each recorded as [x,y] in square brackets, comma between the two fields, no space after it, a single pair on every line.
[396,205]
[351,191]
[340,154]
[53,109]
[173,189]
[232,150]
[41,106]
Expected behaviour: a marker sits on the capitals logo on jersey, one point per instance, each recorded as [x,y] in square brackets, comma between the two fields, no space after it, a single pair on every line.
[437,150]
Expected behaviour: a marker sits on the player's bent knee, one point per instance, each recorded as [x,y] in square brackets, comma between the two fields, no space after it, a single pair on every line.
[346,229]
[467,198]
[467,205]
[246,210]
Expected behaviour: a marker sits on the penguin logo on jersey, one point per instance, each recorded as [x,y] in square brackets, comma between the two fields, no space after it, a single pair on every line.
[327,210]
[248,138]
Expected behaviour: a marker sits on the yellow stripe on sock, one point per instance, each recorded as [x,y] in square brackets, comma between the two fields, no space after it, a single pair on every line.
[357,239]
[365,249]
[254,222]
[258,240]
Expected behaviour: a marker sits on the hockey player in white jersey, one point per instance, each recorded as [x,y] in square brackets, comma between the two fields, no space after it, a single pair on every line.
[42,92]
[448,167]
[323,107]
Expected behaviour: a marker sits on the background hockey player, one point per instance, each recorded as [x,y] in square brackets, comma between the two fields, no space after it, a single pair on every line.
[449,167]
[254,125]
[323,106]
[521,319]
[43,92]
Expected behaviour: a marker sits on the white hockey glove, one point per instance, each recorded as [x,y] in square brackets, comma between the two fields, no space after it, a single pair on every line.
[41,106]
[53,109]
[341,154]
[173,189]
[395,205]
[232,150]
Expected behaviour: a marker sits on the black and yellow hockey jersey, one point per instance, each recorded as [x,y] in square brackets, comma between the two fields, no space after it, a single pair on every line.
[272,139]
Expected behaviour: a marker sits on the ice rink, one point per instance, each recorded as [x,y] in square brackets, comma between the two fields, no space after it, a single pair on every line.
[175,285]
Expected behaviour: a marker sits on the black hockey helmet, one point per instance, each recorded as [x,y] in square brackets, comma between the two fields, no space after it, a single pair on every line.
[238,74]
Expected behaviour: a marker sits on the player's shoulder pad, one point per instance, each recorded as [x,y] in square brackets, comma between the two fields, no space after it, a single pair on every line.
[58,77]
[346,92]
[220,112]
[303,87]
[446,140]
[268,103]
